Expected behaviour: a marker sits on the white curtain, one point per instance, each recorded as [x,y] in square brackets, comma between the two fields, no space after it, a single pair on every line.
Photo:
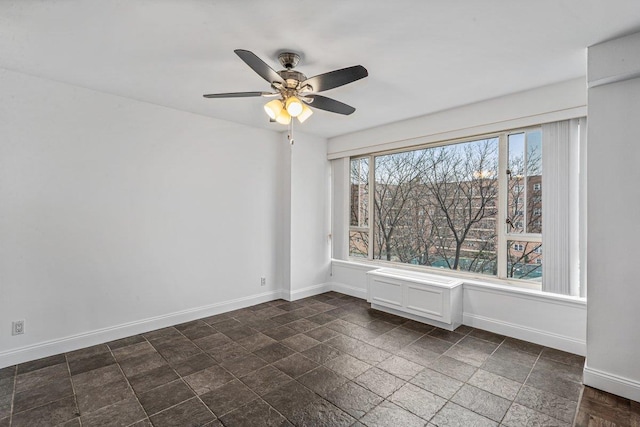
[560,201]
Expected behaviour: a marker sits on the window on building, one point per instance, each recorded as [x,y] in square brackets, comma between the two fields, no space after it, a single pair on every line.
[440,206]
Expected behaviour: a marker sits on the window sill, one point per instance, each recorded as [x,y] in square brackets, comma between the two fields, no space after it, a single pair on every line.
[470,280]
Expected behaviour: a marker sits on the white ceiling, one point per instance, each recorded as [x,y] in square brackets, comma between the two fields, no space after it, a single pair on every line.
[422,56]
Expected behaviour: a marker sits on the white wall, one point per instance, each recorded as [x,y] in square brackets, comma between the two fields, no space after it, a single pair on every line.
[310,214]
[613,344]
[546,104]
[118,216]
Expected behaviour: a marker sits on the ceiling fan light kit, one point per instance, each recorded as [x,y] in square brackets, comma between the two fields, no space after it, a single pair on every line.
[294,91]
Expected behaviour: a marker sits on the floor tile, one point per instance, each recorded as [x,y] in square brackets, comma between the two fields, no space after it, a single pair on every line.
[513,355]
[212,341]
[92,362]
[40,377]
[257,413]
[52,413]
[125,342]
[256,341]
[266,379]
[452,415]
[347,366]
[322,380]
[321,413]
[354,399]
[153,378]
[400,367]
[547,403]
[194,364]
[104,395]
[133,350]
[389,414]
[322,334]
[208,379]
[290,397]
[543,379]
[84,353]
[243,365]
[487,336]
[562,356]
[437,383]
[195,330]
[38,396]
[231,350]
[321,353]
[228,397]
[482,402]
[433,344]
[122,413]
[281,332]
[96,378]
[143,363]
[469,355]
[453,368]
[300,342]
[189,413]
[273,352]
[35,365]
[525,346]
[295,365]
[519,416]
[417,401]
[380,382]
[495,384]
[418,355]
[507,368]
[450,336]
[165,396]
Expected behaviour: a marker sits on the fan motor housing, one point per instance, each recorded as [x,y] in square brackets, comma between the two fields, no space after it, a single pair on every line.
[292,78]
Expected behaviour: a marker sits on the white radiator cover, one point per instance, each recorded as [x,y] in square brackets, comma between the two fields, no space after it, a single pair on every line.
[427,298]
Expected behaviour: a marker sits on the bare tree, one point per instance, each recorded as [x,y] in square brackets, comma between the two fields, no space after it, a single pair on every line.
[462,184]
[429,202]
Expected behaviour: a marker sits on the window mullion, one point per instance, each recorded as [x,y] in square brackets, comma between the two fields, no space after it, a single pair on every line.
[371,201]
[502,206]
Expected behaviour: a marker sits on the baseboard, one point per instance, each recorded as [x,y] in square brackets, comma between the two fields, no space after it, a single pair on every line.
[87,339]
[525,333]
[348,290]
[611,383]
[309,291]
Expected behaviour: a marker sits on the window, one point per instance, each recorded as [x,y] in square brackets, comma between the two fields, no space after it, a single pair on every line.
[440,206]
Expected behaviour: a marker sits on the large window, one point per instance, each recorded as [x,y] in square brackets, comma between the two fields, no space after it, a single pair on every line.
[473,206]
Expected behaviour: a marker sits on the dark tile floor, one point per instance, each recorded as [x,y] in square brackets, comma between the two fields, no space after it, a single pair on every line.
[327,360]
[601,409]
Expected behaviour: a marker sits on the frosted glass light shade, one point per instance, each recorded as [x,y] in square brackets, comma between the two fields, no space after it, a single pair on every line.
[294,106]
[273,108]
[306,113]
[283,117]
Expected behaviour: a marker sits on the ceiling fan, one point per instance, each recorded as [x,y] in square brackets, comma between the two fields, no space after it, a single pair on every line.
[293,91]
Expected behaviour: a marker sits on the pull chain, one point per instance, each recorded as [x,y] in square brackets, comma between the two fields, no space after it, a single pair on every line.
[290,136]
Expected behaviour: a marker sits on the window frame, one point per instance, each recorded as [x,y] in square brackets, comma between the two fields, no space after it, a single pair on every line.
[503,234]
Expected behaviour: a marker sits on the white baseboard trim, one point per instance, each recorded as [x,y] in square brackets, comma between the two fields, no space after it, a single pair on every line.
[611,383]
[548,339]
[87,339]
[309,291]
[348,290]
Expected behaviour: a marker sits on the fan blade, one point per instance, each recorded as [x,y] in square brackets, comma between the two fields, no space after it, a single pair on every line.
[259,66]
[336,78]
[331,105]
[237,94]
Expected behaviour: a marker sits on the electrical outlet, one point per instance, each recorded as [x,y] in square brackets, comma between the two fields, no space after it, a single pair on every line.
[17,327]
[263,281]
